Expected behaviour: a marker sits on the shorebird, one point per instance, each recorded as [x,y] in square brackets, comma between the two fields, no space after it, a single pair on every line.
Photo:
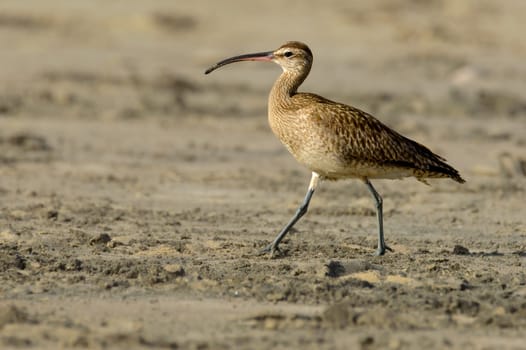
[336,141]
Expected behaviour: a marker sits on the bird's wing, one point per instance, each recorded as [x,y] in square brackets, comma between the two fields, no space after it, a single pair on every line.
[360,136]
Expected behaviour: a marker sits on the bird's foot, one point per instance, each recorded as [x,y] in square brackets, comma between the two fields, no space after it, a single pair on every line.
[271,249]
[381,250]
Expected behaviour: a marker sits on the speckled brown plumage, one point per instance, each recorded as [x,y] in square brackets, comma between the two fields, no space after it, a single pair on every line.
[337,141]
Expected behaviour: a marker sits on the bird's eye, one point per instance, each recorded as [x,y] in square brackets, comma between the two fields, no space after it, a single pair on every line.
[288,54]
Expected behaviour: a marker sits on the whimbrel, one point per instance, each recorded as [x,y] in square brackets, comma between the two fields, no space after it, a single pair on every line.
[336,141]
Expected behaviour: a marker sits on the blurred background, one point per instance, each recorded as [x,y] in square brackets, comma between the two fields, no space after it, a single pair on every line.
[435,49]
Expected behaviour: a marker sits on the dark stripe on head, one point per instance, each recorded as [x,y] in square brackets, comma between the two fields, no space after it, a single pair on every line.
[297,45]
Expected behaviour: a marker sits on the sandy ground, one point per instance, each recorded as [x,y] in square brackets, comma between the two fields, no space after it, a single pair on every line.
[135,190]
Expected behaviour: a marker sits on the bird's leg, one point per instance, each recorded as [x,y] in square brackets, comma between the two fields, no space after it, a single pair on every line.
[273,247]
[379,215]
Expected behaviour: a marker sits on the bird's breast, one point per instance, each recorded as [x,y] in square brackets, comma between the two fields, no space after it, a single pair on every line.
[302,139]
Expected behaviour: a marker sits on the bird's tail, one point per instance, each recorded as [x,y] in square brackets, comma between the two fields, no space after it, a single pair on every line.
[442,170]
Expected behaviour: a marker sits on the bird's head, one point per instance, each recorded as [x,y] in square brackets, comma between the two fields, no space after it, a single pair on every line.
[292,56]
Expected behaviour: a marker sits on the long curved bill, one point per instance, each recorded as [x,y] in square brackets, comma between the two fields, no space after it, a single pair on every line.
[259,56]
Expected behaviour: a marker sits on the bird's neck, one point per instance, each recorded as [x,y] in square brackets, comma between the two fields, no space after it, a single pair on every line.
[285,87]
[281,106]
